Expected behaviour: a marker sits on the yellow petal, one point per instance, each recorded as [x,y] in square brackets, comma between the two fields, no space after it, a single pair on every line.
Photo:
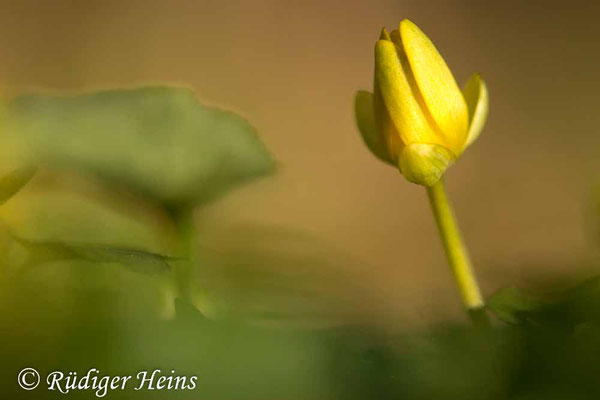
[365,119]
[384,35]
[476,96]
[400,102]
[385,126]
[424,164]
[395,37]
[442,98]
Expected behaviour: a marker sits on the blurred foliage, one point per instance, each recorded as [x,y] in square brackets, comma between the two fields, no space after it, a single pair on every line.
[44,212]
[12,182]
[137,260]
[159,141]
[103,319]
[277,276]
[87,258]
[564,309]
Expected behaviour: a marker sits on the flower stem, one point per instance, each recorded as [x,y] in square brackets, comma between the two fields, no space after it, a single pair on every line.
[456,252]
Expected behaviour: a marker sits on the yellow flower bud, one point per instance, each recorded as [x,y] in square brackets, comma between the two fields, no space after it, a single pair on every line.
[417,118]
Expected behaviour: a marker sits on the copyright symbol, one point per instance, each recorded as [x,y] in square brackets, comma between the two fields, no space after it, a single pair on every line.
[28,378]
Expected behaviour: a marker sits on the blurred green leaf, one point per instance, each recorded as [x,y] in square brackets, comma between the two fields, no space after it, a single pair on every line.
[512,305]
[277,276]
[12,182]
[159,141]
[78,216]
[137,260]
[187,312]
[562,309]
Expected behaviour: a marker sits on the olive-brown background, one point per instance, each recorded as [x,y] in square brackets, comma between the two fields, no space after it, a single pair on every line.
[522,193]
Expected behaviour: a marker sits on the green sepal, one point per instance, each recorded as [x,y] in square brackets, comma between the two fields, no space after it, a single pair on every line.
[365,120]
[424,164]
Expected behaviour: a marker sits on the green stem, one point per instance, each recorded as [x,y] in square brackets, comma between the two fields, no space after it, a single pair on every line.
[456,252]
[183,219]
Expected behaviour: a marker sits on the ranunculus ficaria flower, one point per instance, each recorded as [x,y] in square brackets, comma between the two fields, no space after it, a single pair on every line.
[417,118]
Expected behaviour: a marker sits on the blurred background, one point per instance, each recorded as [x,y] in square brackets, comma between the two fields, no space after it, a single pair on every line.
[523,193]
[311,281]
